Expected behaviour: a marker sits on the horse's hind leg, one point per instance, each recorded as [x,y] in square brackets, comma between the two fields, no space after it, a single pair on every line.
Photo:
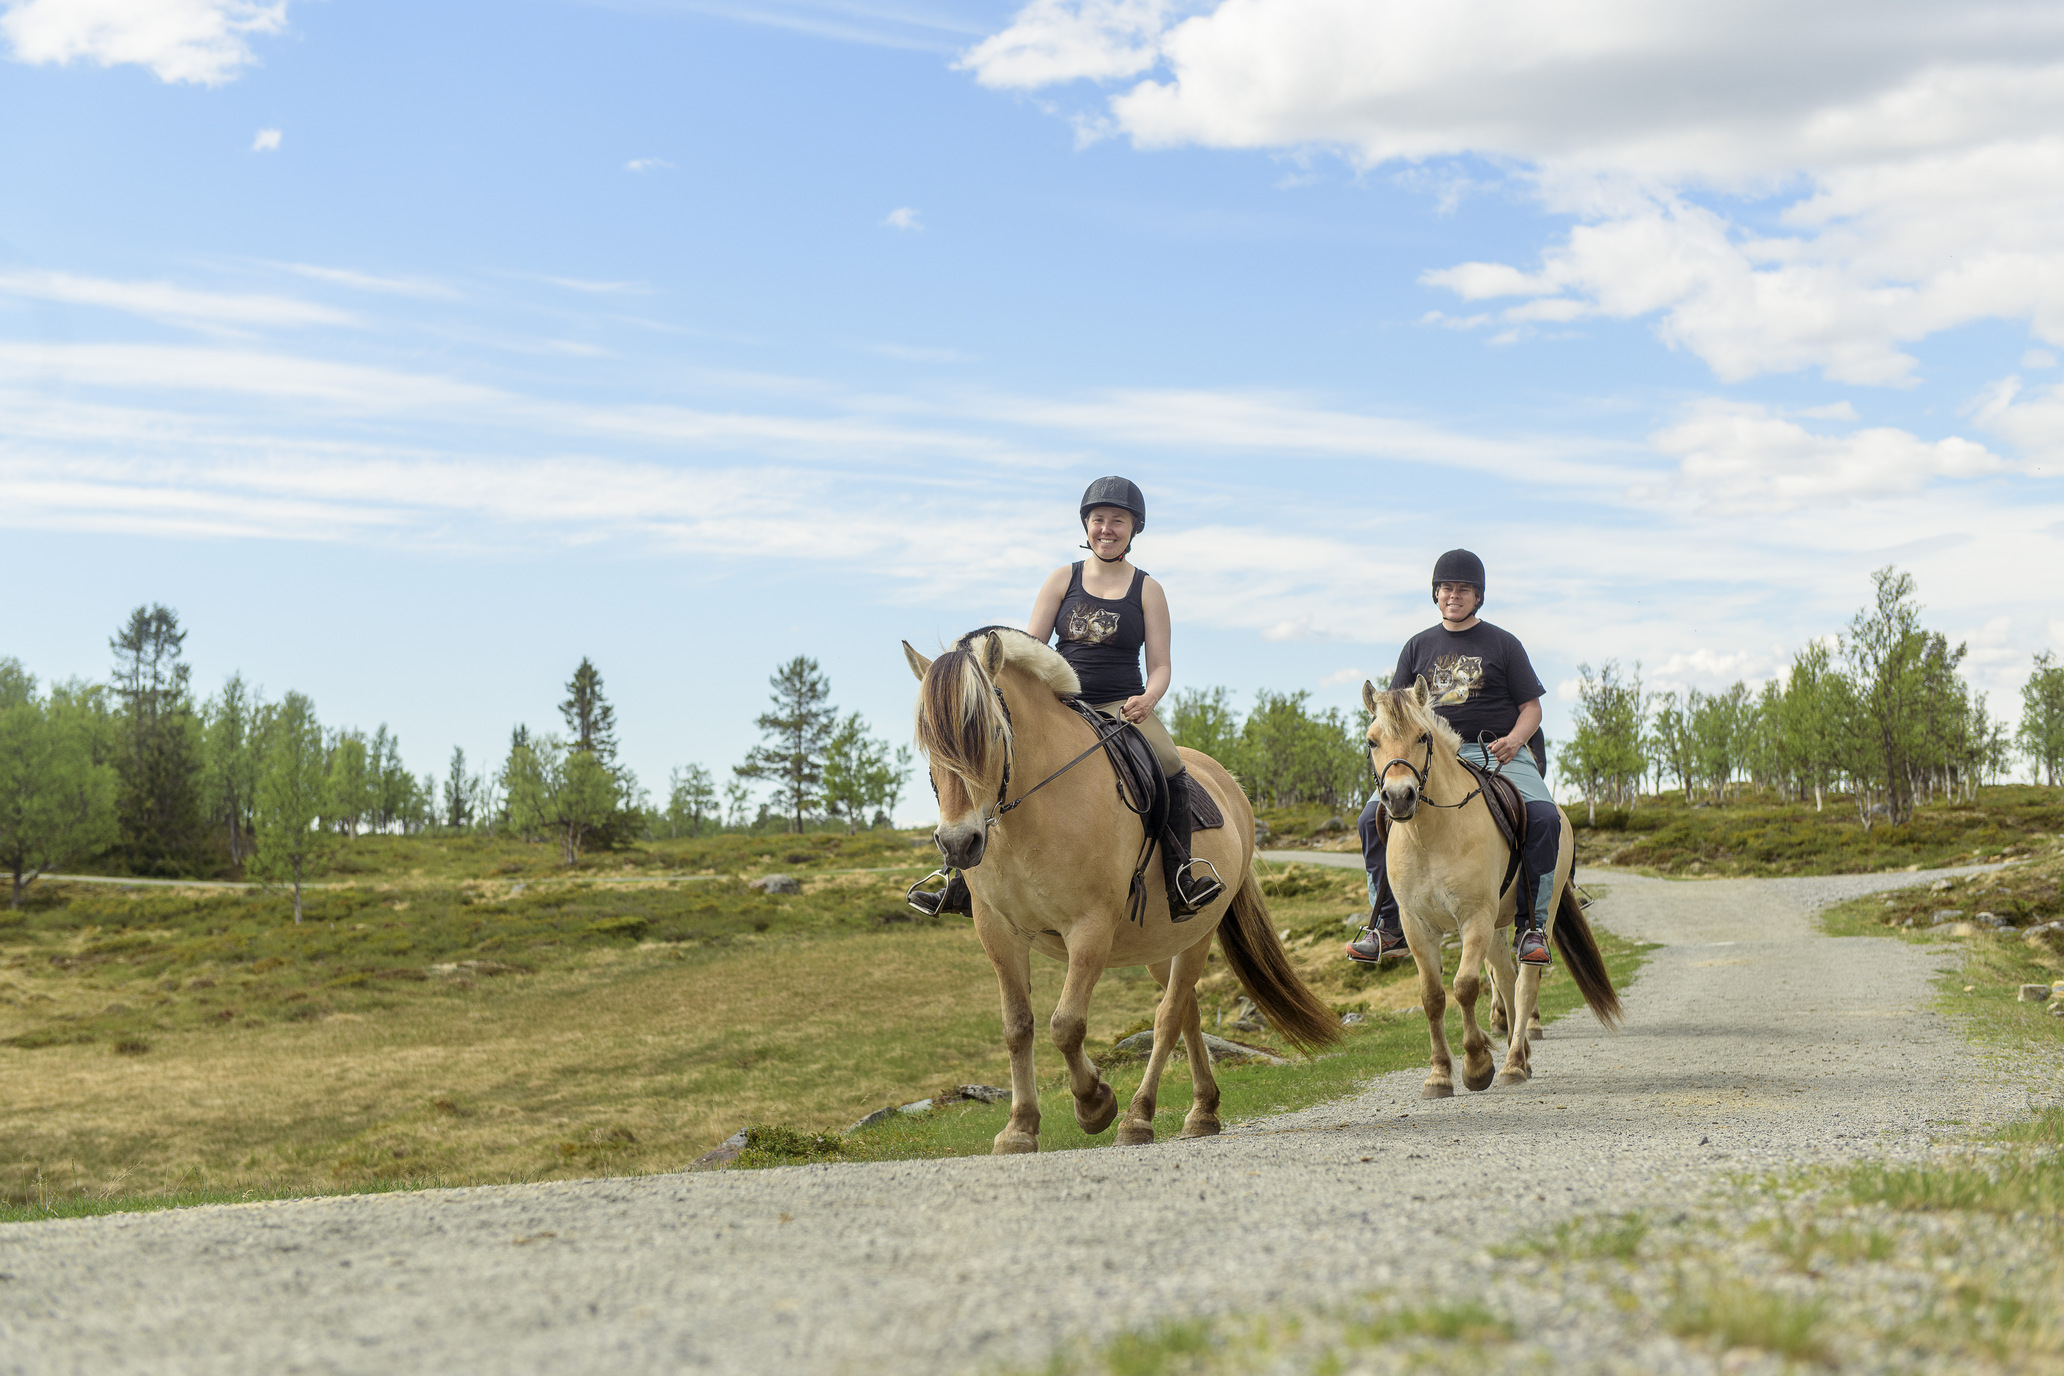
[1202,1120]
[1518,1058]
[1171,1020]
[1013,961]
[1095,1102]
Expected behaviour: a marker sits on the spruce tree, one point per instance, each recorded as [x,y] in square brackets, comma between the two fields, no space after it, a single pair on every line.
[798,732]
[158,763]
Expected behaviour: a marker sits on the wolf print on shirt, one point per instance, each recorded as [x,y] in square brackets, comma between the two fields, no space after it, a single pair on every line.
[1454,678]
[1094,629]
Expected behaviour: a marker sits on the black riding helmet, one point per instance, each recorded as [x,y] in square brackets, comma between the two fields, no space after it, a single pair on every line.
[1122,493]
[1460,566]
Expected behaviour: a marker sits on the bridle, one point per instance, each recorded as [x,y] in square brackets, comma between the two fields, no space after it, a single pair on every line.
[1009,732]
[1419,772]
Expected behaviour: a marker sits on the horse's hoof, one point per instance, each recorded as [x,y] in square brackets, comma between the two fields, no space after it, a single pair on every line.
[1437,1092]
[1133,1132]
[1096,1115]
[1014,1144]
[1477,1083]
[1511,1078]
[1206,1126]
[1534,1034]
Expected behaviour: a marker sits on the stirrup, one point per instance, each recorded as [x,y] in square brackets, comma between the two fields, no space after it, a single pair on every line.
[929,901]
[1185,903]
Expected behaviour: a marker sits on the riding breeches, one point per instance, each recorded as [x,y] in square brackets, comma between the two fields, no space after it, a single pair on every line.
[1537,858]
[1156,734]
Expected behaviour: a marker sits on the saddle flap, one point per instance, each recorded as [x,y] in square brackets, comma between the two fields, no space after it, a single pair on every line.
[1204,808]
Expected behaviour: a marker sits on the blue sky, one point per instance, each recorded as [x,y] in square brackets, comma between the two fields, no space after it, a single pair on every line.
[414,353]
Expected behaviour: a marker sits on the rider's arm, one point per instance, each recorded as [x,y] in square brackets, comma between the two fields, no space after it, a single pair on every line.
[1529,722]
[1154,603]
[1047,605]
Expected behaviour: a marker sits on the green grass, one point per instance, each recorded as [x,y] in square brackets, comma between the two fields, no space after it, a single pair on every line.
[1387,1042]
[1760,836]
[1731,1314]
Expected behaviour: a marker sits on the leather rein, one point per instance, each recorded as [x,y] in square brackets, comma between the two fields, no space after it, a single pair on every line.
[1102,742]
[1419,773]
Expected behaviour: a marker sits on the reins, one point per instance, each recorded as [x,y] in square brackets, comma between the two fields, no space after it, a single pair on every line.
[1419,775]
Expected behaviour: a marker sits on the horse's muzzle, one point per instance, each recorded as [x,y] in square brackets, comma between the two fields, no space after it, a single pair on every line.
[962,846]
[1400,800]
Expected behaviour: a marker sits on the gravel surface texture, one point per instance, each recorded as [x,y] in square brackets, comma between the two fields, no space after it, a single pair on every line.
[1751,1043]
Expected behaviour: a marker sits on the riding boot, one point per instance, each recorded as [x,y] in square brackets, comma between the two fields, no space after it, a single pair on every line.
[1187,891]
[1537,882]
[954,898]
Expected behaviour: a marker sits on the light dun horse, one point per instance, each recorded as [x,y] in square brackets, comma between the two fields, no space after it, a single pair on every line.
[1052,876]
[1445,864]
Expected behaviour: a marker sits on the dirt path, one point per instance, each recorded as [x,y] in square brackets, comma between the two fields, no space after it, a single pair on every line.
[1751,1042]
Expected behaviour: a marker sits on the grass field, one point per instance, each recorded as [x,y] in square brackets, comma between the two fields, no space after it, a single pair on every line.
[458,1011]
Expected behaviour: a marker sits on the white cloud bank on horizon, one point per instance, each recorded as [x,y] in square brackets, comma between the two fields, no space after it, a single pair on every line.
[1913,148]
[200,41]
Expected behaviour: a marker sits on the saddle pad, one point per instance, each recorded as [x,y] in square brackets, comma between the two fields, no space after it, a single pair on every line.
[1204,808]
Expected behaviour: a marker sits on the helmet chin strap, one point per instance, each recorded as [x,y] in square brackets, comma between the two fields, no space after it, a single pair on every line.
[1118,560]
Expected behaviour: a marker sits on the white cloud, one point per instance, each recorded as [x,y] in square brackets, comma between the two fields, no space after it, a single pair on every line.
[903,217]
[2038,358]
[1910,147]
[163,301]
[201,41]
[372,282]
[1741,458]
[1340,676]
[268,141]
[647,165]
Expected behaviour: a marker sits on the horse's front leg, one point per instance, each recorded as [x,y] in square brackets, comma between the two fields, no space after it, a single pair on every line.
[1171,1020]
[1089,946]
[1478,935]
[1518,1053]
[1012,957]
[1424,942]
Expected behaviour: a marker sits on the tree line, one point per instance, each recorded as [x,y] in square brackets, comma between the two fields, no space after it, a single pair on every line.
[1879,712]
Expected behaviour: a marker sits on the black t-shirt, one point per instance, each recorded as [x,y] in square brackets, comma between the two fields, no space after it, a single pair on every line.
[1479,679]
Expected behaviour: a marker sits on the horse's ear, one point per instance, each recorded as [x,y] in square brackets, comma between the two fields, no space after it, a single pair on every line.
[918,663]
[1369,696]
[992,655]
[1421,694]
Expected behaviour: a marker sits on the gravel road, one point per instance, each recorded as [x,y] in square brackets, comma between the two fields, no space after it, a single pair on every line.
[1751,1042]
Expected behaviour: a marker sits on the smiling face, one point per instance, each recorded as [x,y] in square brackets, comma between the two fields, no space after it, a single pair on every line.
[1110,531]
[1457,601]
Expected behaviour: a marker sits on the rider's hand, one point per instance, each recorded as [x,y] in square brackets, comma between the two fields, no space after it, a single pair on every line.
[1135,709]
[1505,747]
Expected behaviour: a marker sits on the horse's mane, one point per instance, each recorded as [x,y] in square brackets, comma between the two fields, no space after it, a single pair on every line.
[1398,714]
[958,719]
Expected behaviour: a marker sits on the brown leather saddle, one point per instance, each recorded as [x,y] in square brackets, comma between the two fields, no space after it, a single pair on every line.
[1507,807]
[1142,790]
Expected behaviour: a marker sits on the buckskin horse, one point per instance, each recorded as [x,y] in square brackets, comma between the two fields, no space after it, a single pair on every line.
[1448,864]
[1053,873]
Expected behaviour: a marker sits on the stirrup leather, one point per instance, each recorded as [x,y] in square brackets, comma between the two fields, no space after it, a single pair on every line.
[929,901]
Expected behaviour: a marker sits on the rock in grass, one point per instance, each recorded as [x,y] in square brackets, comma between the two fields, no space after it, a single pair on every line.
[988,1094]
[1942,915]
[1353,1019]
[1142,1043]
[880,1115]
[723,1154]
[776,883]
[920,1106]
[2035,993]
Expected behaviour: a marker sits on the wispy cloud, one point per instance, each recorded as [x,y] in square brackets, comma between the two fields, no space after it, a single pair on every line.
[918,27]
[171,304]
[590,285]
[903,217]
[373,282]
[267,141]
[647,165]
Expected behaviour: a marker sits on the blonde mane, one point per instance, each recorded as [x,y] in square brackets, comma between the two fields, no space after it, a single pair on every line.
[959,720]
[1400,715]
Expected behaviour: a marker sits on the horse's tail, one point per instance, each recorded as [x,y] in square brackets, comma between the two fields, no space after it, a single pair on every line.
[1264,971]
[1580,954]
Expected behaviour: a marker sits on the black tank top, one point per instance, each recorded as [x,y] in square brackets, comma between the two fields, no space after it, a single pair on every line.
[1102,638]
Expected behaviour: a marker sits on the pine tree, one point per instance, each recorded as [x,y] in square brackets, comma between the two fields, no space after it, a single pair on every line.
[590,720]
[798,731]
[159,763]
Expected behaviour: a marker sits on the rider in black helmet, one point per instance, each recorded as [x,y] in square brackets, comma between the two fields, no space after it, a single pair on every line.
[1482,683]
[1106,613]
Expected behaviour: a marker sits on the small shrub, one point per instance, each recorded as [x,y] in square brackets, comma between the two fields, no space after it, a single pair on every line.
[131,1046]
[767,1145]
[624,928]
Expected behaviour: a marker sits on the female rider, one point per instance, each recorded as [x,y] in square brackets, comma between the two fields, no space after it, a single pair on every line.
[1484,686]
[1106,613]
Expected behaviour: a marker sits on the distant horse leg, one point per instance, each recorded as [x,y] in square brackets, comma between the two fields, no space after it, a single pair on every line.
[1095,1102]
[1518,1057]
[1171,1020]
[1477,1065]
[1433,1001]
[1202,1120]
[1013,961]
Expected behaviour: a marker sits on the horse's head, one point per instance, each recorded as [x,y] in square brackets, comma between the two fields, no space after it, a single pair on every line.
[1404,734]
[966,736]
